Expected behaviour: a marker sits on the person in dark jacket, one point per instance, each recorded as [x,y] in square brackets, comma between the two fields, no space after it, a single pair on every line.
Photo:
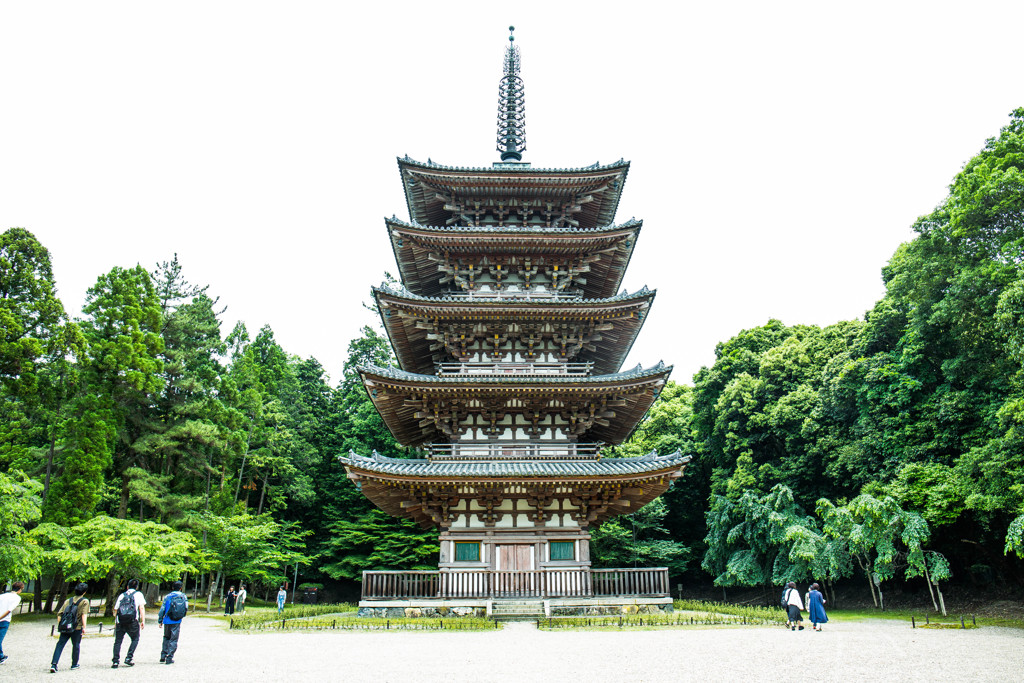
[229,601]
[172,627]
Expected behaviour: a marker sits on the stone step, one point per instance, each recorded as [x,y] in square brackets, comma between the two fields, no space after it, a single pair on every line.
[517,617]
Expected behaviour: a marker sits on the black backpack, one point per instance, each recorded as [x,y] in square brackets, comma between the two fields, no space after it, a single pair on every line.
[127,613]
[785,599]
[177,608]
[69,617]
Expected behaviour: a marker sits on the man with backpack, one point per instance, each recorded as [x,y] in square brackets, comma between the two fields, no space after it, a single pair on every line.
[71,619]
[173,610]
[129,618]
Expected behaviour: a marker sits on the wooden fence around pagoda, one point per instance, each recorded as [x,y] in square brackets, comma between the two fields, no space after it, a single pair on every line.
[542,583]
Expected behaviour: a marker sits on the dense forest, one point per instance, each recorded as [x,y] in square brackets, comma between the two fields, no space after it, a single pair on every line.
[140,439]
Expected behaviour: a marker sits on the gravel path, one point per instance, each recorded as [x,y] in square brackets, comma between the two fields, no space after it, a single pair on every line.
[850,651]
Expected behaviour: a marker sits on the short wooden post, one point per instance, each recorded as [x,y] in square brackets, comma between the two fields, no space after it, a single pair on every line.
[282,624]
[231,624]
[912,624]
[962,624]
[926,620]
[387,625]
[974,620]
[101,627]
[52,630]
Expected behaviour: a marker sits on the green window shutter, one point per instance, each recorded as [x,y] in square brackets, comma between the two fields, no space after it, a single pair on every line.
[562,550]
[467,552]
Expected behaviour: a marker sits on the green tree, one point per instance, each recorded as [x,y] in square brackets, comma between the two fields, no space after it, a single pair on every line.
[19,554]
[122,331]
[107,547]
[639,540]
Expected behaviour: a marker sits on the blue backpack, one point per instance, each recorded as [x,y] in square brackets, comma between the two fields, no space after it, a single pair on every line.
[177,608]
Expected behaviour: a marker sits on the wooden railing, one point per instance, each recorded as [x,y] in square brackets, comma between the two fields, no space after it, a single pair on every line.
[542,583]
[500,368]
[517,450]
[515,294]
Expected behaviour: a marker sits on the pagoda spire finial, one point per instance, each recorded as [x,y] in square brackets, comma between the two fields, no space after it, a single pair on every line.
[511,106]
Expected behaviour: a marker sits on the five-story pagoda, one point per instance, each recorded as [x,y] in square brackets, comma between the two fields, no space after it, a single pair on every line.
[510,333]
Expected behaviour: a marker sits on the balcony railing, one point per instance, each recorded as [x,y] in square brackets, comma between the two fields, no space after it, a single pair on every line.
[539,369]
[497,450]
[515,295]
[541,583]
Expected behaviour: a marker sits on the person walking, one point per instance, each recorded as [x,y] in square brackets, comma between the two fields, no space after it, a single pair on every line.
[282,595]
[130,619]
[9,601]
[173,610]
[794,606]
[71,620]
[816,607]
[240,599]
[229,601]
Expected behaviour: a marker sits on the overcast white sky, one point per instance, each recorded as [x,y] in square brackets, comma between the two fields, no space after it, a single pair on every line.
[780,151]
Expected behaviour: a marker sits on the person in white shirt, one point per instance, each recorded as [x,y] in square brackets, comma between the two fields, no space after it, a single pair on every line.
[795,606]
[9,601]
[125,624]
[240,598]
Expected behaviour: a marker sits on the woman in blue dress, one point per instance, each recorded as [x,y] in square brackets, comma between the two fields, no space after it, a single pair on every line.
[816,607]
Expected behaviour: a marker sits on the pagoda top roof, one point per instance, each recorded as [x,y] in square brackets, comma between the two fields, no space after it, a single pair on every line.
[514,167]
[514,469]
[581,197]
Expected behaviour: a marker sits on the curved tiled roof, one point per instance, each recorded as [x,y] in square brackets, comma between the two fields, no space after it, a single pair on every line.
[606,467]
[565,187]
[513,168]
[517,230]
[639,372]
[404,293]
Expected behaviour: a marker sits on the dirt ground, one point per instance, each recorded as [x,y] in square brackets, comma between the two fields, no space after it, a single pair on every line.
[844,651]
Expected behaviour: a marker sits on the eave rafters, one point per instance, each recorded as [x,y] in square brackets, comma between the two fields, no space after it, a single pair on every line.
[433,260]
[428,331]
[512,195]
[422,408]
[432,502]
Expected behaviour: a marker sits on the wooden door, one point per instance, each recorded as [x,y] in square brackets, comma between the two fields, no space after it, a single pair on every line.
[514,577]
[515,557]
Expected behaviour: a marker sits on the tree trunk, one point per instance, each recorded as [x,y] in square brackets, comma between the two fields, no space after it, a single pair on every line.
[55,589]
[49,466]
[37,595]
[942,602]
[871,583]
[263,494]
[214,584]
[928,580]
[113,583]
[241,473]
[122,509]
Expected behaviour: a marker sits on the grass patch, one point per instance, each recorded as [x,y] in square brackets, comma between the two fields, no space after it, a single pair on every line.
[688,613]
[349,623]
[256,618]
